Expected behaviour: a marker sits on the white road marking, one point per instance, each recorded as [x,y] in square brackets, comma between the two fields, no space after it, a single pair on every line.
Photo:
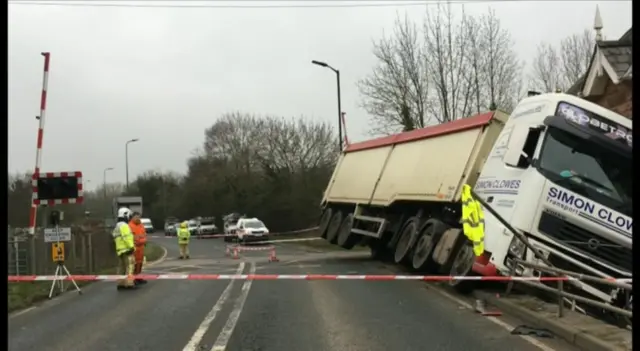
[158,261]
[193,344]
[495,320]
[227,330]
[22,312]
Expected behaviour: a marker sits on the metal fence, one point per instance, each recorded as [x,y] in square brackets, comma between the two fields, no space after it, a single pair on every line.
[624,314]
[90,251]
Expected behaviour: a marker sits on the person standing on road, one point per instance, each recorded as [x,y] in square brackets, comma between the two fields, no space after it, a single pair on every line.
[125,247]
[183,240]
[140,241]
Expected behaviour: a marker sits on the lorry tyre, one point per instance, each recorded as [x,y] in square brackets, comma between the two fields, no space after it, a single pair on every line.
[428,237]
[407,239]
[346,239]
[460,263]
[334,226]
[325,219]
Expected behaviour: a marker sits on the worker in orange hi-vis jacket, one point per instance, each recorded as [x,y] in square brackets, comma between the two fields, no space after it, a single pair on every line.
[140,241]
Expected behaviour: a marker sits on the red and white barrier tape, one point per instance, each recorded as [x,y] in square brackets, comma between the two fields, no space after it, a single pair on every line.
[207,236]
[250,248]
[32,278]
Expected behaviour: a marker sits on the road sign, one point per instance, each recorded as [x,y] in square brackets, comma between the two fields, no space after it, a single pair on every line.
[57,252]
[53,235]
[55,188]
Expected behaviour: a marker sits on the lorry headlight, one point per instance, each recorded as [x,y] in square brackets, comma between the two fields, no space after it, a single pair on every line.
[517,247]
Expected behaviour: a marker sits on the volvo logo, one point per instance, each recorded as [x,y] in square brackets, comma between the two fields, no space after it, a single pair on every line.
[593,244]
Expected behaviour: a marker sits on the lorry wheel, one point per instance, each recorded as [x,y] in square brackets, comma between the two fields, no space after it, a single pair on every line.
[406,241]
[334,226]
[461,264]
[428,237]
[346,239]
[325,219]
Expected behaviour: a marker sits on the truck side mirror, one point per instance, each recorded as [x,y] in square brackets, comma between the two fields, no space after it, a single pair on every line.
[522,145]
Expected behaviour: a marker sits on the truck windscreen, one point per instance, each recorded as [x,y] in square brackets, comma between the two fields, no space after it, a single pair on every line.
[589,120]
[584,167]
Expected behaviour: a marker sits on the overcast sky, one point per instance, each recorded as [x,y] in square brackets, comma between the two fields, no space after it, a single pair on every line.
[164,75]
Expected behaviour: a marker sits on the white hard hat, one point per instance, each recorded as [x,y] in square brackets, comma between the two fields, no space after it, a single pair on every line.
[124,212]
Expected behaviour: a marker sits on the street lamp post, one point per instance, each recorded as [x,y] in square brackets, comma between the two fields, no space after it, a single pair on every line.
[337,72]
[126,158]
[104,180]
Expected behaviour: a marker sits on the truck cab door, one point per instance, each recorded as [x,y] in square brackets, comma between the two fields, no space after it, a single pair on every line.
[522,146]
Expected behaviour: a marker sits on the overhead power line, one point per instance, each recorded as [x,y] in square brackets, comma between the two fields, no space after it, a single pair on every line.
[265,5]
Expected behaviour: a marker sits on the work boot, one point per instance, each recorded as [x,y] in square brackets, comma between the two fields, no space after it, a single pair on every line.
[187,256]
[182,258]
[140,281]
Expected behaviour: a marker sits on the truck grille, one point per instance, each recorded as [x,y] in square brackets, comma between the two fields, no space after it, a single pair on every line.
[586,242]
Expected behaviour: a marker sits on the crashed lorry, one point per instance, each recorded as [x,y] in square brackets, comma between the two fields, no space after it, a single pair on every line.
[557,170]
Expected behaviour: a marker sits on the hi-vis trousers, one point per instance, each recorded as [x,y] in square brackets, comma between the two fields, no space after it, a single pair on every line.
[184,250]
[126,267]
[139,258]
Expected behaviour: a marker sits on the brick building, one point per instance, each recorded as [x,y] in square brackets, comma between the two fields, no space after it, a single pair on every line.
[608,80]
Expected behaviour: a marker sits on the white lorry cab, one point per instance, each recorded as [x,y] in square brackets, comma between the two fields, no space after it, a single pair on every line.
[557,170]
[560,172]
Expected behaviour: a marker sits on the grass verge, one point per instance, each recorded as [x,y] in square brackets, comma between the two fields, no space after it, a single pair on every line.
[23,295]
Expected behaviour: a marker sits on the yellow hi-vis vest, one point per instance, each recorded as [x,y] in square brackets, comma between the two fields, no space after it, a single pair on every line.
[123,238]
[183,235]
[472,220]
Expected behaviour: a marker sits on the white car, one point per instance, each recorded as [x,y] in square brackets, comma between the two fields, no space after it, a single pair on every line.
[252,229]
[193,225]
[207,226]
[148,226]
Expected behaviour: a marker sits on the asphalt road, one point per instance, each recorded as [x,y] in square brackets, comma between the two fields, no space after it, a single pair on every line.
[264,315]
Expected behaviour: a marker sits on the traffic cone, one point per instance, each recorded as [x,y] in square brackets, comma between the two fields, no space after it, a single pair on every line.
[272,256]
[235,253]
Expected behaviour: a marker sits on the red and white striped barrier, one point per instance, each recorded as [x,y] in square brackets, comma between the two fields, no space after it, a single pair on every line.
[32,278]
[43,109]
[236,249]
[241,248]
[208,236]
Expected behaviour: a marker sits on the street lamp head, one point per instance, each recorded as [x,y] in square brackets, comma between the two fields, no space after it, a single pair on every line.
[134,140]
[319,63]
[109,169]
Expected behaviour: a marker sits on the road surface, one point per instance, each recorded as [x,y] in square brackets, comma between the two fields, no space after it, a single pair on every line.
[264,315]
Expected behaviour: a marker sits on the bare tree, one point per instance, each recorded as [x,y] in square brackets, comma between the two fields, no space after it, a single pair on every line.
[266,166]
[297,145]
[445,43]
[502,66]
[559,68]
[576,51]
[395,93]
[475,62]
